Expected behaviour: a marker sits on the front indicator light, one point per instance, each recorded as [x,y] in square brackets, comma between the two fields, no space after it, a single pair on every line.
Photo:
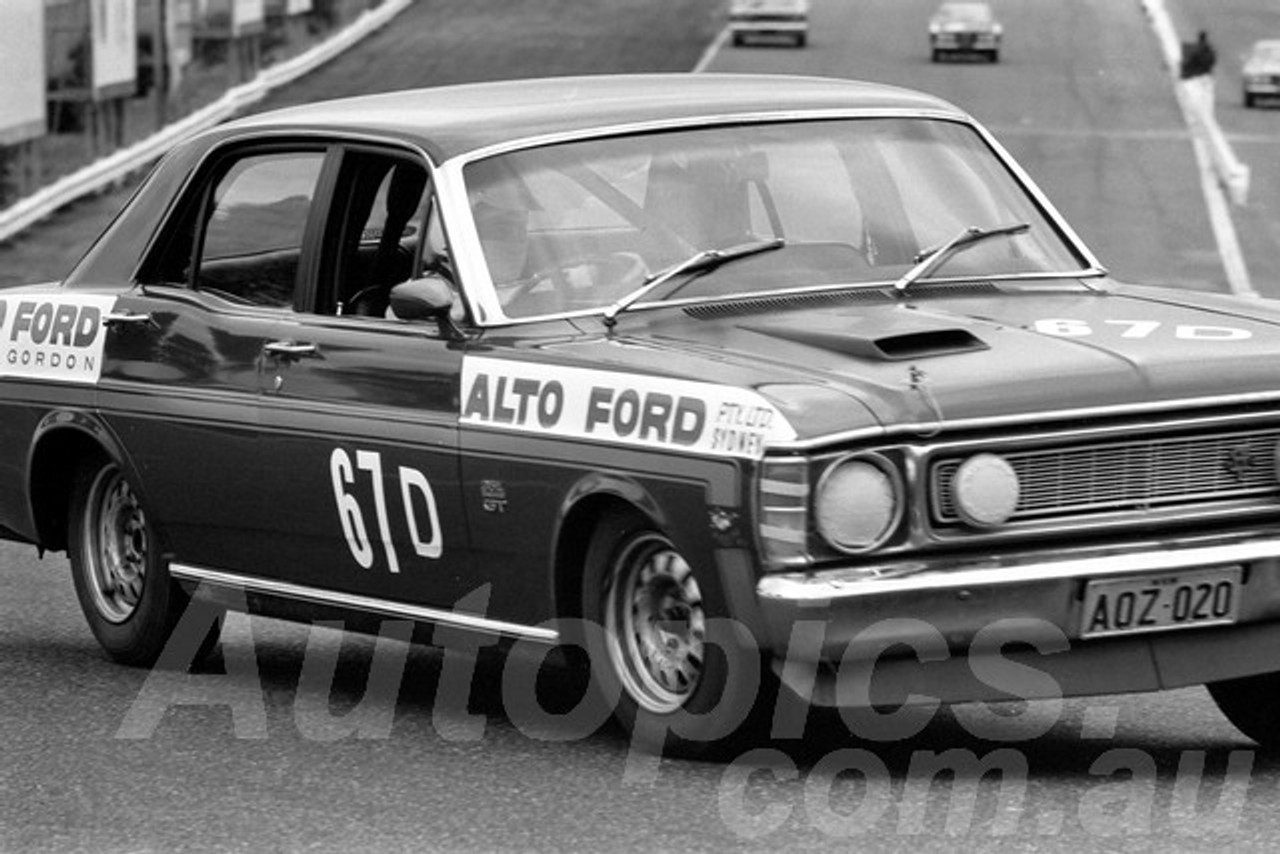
[858,503]
[784,512]
[986,490]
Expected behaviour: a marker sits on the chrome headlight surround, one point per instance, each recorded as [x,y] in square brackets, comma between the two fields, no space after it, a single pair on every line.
[869,487]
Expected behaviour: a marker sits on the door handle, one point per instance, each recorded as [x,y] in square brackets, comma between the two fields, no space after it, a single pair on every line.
[290,349]
[126,319]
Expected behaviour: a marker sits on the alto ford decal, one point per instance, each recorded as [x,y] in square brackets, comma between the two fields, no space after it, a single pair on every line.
[617,407]
[53,336]
[1154,329]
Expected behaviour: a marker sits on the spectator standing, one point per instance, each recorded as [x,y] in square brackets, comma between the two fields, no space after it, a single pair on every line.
[1198,59]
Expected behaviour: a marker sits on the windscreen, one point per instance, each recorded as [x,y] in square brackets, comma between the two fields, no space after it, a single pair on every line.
[575,227]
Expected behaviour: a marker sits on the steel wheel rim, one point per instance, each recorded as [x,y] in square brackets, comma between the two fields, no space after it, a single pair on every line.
[115,546]
[655,624]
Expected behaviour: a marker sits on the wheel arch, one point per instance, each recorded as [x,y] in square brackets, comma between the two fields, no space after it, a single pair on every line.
[62,441]
[590,500]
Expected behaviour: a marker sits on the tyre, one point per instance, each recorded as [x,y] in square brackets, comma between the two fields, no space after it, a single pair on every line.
[1252,704]
[935,55]
[802,40]
[687,680]
[993,56]
[1248,100]
[121,580]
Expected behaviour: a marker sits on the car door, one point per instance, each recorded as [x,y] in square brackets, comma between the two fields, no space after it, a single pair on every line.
[182,374]
[361,410]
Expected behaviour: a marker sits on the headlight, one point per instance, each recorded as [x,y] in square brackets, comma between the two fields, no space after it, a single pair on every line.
[986,490]
[858,503]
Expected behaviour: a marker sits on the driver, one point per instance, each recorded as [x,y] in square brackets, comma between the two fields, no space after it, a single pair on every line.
[504,237]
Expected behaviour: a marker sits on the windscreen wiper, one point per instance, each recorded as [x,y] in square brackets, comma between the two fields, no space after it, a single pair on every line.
[933,258]
[696,264]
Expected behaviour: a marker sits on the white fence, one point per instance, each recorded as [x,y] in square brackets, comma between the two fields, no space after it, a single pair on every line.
[117,166]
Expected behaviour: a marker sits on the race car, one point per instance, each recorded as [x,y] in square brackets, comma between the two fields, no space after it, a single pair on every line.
[746,393]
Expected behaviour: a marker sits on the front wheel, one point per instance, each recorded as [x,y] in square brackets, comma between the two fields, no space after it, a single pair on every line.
[1252,704]
[687,678]
[123,584]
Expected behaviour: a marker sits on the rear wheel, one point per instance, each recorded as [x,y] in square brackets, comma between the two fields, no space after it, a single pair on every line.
[688,679]
[123,584]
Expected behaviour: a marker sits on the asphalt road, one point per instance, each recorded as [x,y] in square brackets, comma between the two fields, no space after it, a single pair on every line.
[310,740]
[1081,99]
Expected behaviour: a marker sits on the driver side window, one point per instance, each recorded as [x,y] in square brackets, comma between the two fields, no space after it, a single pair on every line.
[375,234]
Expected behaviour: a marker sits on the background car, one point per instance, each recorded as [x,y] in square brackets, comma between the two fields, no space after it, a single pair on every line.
[787,19]
[1261,71]
[965,28]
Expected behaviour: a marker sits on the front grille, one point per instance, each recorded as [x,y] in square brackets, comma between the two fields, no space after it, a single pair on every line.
[1128,476]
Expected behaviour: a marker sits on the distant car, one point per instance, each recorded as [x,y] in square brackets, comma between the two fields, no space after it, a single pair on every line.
[959,28]
[781,18]
[1262,71]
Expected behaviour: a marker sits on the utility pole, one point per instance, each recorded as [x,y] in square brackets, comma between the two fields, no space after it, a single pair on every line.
[160,62]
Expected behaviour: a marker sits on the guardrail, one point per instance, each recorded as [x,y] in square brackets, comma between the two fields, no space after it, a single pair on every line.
[116,166]
[1196,99]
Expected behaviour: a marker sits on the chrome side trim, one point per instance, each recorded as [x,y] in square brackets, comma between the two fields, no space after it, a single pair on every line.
[367,604]
[853,583]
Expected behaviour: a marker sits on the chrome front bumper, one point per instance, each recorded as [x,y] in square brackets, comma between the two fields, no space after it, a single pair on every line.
[910,603]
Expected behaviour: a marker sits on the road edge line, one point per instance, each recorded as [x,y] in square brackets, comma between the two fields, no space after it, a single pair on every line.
[1216,204]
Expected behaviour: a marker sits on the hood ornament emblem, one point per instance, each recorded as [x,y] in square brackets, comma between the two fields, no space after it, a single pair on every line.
[918,381]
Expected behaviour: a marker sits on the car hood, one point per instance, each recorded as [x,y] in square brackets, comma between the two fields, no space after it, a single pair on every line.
[942,355]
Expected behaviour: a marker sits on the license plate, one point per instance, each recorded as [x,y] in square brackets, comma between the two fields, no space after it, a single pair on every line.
[1182,600]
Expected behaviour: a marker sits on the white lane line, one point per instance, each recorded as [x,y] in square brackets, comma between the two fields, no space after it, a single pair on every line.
[709,55]
[1224,230]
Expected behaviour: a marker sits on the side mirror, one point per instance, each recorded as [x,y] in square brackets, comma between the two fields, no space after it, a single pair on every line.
[427,298]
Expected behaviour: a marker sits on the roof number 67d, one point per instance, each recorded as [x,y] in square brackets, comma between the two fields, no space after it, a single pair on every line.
[352,516]
[1067,328]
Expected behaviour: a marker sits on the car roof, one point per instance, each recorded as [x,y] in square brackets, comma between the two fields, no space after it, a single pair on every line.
[451,120]
[1266,47]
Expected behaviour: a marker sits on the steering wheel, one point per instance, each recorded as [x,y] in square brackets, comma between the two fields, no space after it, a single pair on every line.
[354,305]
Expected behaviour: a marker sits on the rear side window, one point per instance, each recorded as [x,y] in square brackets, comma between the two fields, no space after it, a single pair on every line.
[242,240]
[253,236]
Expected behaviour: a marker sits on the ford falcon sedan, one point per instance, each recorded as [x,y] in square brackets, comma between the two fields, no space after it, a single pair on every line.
[748,394]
